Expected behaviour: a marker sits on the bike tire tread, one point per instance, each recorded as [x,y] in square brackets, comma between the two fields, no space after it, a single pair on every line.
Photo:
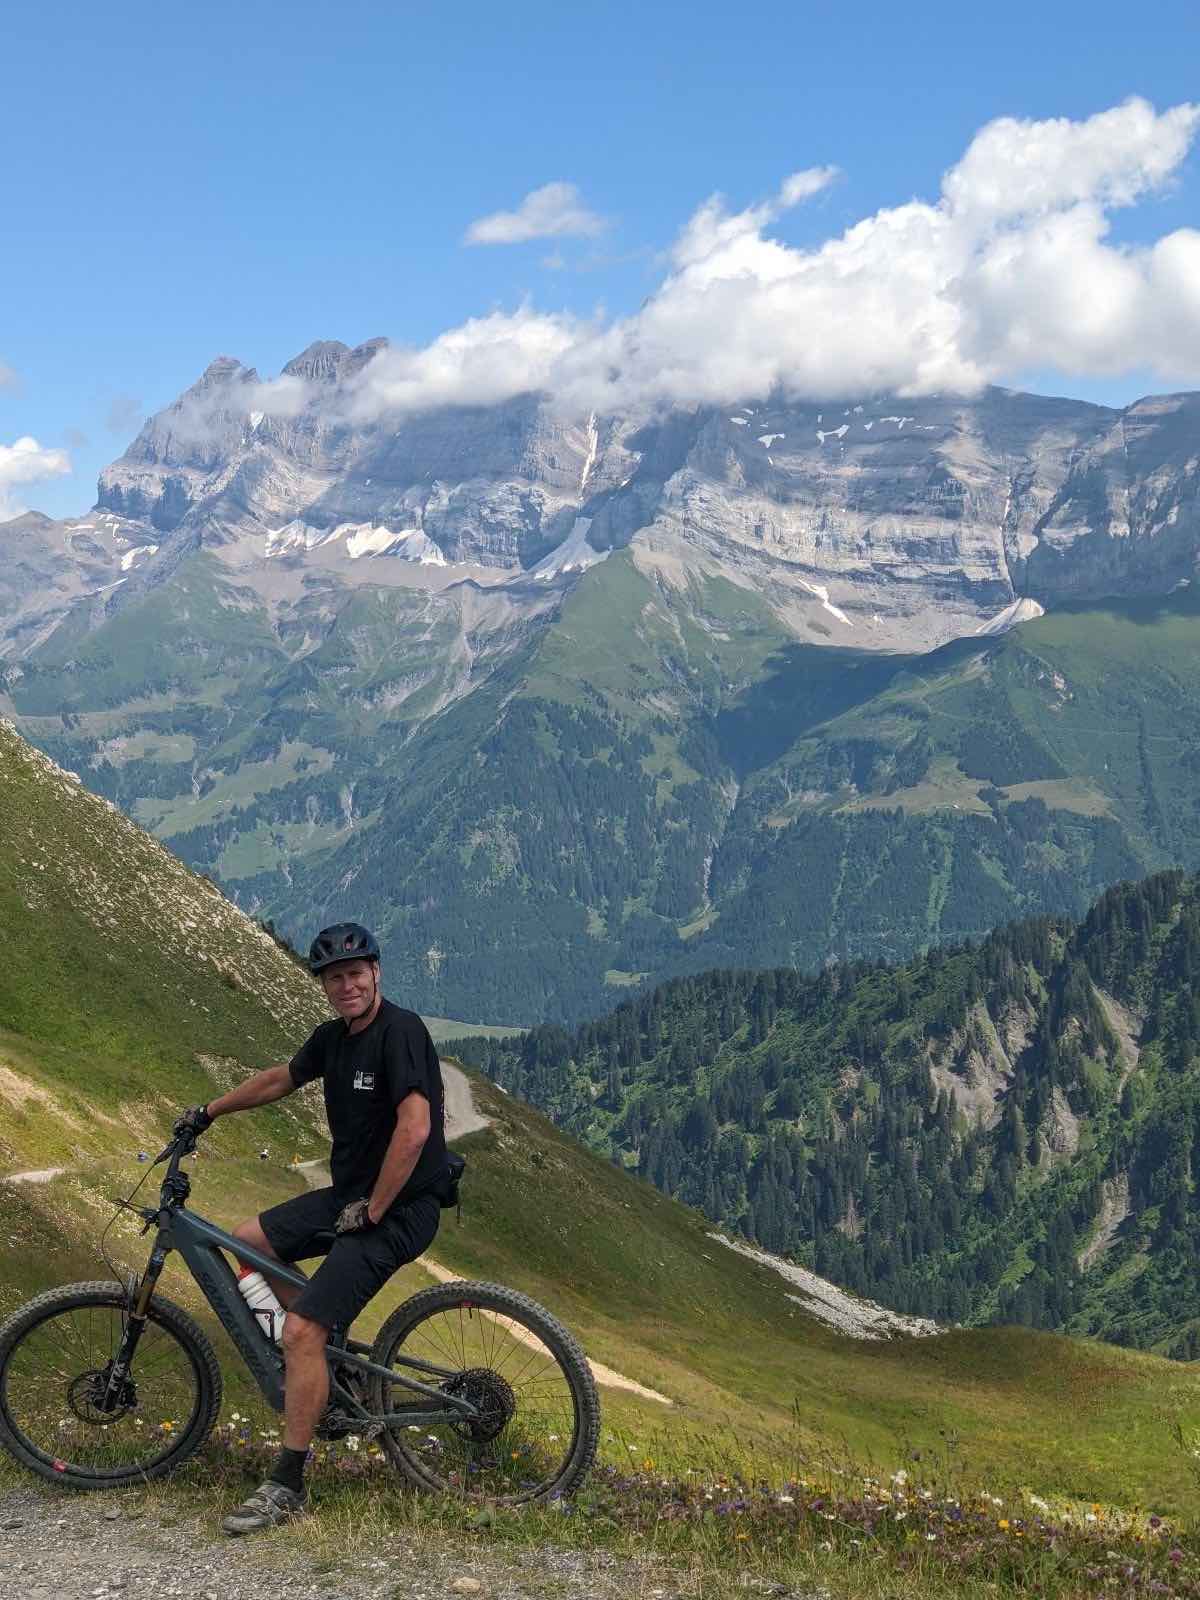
[497,1297]
[107,1292]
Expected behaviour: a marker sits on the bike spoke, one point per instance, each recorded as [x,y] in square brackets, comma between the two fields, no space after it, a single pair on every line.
[55,1378]
[528,1410]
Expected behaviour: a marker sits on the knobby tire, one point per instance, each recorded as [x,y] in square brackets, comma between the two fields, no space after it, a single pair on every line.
[163,1316]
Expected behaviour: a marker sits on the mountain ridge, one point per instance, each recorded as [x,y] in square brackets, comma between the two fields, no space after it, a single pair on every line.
[377,662]
[1006,1132]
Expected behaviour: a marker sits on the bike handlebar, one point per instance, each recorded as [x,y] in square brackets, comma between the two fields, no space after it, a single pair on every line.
[181,1145]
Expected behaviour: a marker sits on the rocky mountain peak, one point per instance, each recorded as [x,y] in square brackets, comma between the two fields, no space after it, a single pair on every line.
[321,362]
[221,370]
[330,361]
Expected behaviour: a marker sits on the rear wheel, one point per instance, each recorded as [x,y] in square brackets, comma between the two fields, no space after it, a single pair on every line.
[539,1418]
[55,1357]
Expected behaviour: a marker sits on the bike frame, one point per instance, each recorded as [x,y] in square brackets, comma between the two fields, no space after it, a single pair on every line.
[201,1244]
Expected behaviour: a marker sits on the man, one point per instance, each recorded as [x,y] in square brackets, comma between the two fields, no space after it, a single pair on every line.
[384,1101]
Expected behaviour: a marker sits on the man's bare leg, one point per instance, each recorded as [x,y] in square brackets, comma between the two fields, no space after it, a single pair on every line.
[305,1395]
[304,1341]
[307,1389]
[251,1233]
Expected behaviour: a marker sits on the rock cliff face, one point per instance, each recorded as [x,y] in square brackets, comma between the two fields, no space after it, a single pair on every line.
[560,702]
[880,524]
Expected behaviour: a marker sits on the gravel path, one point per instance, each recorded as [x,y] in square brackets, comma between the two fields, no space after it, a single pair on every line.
[461,1115]
[56,1546]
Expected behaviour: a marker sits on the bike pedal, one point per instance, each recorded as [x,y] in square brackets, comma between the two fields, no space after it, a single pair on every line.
[338,1424]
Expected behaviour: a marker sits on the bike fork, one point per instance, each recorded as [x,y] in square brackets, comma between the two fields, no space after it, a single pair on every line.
[135,1324]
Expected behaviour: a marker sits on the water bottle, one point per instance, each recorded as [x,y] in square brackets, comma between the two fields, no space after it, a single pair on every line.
[260,1297]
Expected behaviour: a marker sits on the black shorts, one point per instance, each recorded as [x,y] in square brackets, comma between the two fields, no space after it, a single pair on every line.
[358,1264]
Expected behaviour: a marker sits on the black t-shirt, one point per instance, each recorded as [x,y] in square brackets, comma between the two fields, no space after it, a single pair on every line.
[366,1076]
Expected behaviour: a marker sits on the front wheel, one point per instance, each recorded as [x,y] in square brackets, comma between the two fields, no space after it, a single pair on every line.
[538,1419]
[55,1358]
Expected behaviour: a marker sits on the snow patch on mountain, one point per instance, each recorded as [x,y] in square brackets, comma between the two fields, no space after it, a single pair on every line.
[132,556]
[1024,610]
[822,594]
[574,554]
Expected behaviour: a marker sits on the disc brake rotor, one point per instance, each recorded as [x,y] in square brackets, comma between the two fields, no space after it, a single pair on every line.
[86,1393]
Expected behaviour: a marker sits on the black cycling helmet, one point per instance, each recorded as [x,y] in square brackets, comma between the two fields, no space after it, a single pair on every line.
[345,941]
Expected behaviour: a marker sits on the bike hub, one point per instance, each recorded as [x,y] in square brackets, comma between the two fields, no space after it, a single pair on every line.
[492,1397]
[89,1398]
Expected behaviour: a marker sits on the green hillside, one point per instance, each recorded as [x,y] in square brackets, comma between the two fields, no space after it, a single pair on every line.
[113,1017]
[1008,1132]
[654,779]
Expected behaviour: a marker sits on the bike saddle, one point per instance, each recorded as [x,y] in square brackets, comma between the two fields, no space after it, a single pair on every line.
[323,1239]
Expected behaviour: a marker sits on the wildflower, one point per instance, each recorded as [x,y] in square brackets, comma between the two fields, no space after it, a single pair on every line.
[1003,1523]
[648,1465]
[1175,1557]
[931,1537]
[787,1500]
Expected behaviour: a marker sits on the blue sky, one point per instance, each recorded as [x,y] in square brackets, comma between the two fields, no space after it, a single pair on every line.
[181,182]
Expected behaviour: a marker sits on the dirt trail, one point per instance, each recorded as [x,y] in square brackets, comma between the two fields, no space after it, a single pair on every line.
[461,1118]
[36,1175]
[127,1543]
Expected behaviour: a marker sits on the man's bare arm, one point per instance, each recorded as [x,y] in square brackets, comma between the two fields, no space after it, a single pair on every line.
[408,1138]
[272,1083]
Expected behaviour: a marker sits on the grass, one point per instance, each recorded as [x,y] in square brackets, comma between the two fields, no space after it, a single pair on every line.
[134,989]
[444,1028]
[708,1523]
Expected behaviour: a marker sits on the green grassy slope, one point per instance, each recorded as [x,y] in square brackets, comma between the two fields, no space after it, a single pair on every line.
[102,1042]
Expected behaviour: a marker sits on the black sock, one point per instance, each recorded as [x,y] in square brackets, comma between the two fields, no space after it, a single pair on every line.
[289,1469]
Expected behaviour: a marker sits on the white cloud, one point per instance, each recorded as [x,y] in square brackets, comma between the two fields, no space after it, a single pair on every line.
[803,185]
[285,396]
[124,413]
[1010,266]
[25,461]
[556,210]
[470,365]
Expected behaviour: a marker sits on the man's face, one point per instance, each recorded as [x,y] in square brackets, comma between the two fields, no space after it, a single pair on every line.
[350,988]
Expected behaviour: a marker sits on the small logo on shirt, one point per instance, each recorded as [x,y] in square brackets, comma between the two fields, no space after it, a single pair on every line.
[364,1080]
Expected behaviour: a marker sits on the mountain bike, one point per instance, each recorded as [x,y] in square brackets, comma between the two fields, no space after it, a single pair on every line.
[470,1388]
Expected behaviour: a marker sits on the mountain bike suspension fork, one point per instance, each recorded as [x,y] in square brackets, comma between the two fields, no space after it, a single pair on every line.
[118,1372]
